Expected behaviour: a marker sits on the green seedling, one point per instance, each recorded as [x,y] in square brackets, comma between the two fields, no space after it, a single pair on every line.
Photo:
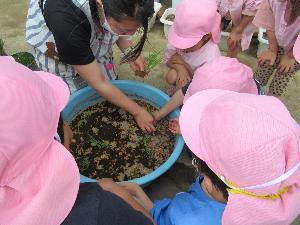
[85,163]
[99,144]
[26,59]
[153,60]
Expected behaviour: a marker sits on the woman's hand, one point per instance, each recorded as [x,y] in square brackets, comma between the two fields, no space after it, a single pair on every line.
[286,64]
[267,56]
[138,65]
[144,120]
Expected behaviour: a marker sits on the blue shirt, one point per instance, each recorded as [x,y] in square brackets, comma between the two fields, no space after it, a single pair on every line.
[188,208]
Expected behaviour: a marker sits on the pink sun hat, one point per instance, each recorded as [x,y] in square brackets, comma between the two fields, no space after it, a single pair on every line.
[253,144]
[223,73]
[193,20]
[296,49]
[39,178]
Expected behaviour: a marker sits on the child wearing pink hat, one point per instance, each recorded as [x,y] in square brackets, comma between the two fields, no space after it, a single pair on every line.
[282,21]
[39,178]
[193,40]
[252,144]
[247,152]
[222,73]
[241,12]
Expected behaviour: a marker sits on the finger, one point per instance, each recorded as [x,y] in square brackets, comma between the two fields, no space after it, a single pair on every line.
[272,61]
[279,68]
[152,127]
[142,65]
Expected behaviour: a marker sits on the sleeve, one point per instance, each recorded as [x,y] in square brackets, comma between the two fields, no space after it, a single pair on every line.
[159,212]
[170,51]
[250,7]
[264,16]
[72,32]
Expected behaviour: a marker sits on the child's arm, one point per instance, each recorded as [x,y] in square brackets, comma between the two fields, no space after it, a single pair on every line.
[109,185]
[270,54]
[136,191]
[235,36]
[175,101]
[183,70]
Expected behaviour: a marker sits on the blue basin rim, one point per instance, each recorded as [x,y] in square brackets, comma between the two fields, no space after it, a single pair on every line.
[87,96]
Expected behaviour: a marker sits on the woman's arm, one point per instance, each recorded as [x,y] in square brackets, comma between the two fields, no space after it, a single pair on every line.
[139,63]
[91,73]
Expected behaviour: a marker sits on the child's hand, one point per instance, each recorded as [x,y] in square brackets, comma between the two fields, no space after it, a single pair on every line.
[183,77]
[286,64]
[267,56]
[174,126]
[234,39]
[144,120]
[177,59]
[133,188]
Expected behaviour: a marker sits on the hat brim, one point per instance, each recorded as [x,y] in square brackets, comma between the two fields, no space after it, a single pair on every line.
[180,42]
[59,87]
[190,117]
[296,49]
[58,180]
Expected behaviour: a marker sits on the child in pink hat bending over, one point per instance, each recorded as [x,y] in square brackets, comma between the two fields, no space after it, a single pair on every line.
[241,13]
[282,21]
[222,73]
[39,178]
[193,40]
[247,152]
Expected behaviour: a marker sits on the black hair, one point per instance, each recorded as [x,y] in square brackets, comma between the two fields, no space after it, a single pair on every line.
[295,10]
[60,129]
[139,10]
[203,169]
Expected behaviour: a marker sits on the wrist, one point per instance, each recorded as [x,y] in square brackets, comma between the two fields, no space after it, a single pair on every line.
[273,49]
[136,109]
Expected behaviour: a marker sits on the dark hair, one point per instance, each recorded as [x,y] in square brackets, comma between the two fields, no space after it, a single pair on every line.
[203,169]
[139,10]
[295,10]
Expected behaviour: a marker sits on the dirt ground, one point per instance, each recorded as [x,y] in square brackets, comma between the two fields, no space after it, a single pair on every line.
[12,31]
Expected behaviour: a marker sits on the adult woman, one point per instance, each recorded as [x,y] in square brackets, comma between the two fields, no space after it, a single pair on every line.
[73,39]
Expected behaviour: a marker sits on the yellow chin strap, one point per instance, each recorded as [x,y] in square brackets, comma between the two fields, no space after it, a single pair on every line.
[234,189]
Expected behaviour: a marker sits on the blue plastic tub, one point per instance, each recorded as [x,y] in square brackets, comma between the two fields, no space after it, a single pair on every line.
[85,97]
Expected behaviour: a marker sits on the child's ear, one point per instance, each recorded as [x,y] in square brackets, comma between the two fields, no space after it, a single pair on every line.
[208,184]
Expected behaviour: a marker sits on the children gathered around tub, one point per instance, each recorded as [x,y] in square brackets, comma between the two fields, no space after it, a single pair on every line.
[245,145]
[193,40]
